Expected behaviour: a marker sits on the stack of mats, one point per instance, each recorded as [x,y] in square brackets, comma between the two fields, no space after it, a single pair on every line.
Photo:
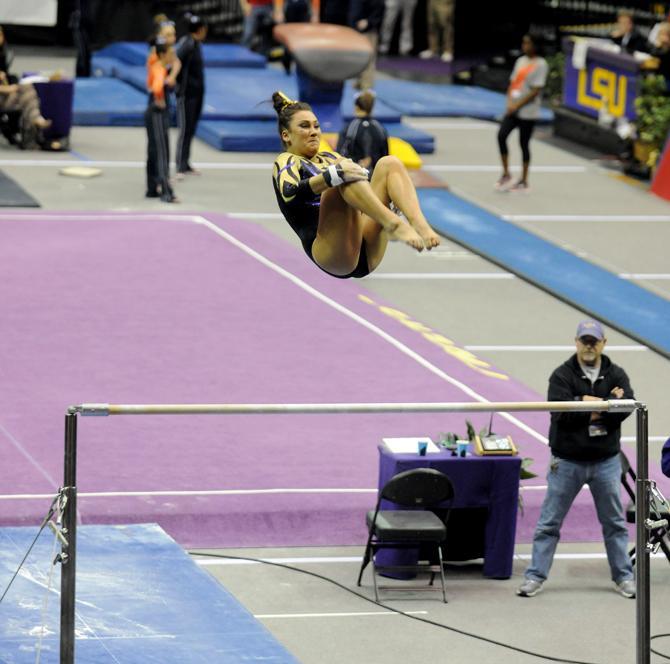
[237,113]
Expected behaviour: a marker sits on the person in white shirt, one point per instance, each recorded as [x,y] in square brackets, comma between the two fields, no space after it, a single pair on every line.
[524,103]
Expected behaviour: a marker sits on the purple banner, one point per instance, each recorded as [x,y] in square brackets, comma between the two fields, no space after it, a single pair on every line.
[608,78]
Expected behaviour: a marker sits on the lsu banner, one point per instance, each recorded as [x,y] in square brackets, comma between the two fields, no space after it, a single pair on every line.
[608,81]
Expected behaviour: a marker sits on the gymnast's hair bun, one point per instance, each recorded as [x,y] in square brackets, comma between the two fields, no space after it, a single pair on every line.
[280,101]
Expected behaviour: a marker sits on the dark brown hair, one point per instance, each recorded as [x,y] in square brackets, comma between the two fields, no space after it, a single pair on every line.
[365,101]
[286,108]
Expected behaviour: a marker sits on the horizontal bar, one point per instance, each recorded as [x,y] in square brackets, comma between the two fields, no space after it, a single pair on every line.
[102,409]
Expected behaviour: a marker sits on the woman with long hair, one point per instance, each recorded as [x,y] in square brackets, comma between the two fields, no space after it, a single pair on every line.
[343,220]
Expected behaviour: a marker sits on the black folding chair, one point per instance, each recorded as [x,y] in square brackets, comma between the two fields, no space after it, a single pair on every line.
[421,489]
[658,537]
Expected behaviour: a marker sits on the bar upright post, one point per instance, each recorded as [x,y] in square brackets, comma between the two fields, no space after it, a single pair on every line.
[68,554]
[642,582]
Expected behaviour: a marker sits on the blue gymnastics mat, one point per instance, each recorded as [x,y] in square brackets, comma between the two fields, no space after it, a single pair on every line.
[237,94]
[230,94]
[102,66]
[633,310]
[214,55]
[140,600]
[261,135]
[108,102]
[430,99]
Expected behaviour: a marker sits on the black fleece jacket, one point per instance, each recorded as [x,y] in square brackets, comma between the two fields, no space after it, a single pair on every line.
[569,432]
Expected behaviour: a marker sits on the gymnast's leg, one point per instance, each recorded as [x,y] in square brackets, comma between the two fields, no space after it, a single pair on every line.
[391,183]
[339,235]
[343,227]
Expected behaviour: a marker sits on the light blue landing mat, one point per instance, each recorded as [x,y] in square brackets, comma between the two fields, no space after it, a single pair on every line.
[432,99]
[623,305]
[140,600]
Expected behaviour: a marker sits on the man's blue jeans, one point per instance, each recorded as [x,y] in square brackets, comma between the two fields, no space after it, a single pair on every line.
[565,479]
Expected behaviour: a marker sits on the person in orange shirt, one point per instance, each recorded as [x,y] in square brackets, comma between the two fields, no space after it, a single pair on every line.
[524,103]
[157,122]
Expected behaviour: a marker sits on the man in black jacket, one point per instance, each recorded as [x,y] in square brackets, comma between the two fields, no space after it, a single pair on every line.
[585,450]
[626,34]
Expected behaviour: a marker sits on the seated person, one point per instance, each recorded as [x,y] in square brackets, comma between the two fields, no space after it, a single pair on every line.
[661,49]
[652,37]
[626,34]
[20,97]
[364,140]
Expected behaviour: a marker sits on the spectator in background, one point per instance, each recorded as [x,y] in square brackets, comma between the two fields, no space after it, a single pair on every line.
[665,458]
[661,49]
[365,16]
[6,58]
[81,24]
[523,109]
[20,97]
[294,11]
[626,34]
[258,15]
[391,10]
[364,140]
[334,11]
[157,21]
[164,29]
[652,37]
[157,122]
[440,30]
[190,91]
[584,450]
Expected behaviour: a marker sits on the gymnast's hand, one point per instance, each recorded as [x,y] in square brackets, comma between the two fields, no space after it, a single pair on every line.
[351,171]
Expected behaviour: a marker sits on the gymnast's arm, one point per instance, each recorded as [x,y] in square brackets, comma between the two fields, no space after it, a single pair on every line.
[292,187]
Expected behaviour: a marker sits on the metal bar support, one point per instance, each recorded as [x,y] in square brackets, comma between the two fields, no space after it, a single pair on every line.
[68,556]
[642,581]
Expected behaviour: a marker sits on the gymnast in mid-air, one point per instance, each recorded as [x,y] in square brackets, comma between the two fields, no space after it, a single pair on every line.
[342,217]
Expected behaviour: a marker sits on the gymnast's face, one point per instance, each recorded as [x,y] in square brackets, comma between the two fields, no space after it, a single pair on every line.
[303,135]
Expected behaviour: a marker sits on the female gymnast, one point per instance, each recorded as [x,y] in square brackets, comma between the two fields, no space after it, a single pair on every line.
[343,220]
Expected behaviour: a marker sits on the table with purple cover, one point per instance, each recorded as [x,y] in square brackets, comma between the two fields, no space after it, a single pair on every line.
[56,100]
[491,482]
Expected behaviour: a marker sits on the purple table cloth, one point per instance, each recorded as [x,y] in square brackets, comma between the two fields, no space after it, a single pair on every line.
[490,482]
[56,100]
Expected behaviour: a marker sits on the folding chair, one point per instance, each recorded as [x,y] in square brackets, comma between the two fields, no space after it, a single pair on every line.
[421,489]
[658,537]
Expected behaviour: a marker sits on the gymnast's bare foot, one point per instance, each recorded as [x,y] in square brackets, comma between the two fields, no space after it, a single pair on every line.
[430,238]
[405,233]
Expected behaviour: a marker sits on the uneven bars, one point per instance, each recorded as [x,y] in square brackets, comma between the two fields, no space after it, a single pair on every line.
[105,409]
[68,575]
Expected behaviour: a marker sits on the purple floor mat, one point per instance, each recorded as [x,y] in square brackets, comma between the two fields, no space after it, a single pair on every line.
[159,309]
